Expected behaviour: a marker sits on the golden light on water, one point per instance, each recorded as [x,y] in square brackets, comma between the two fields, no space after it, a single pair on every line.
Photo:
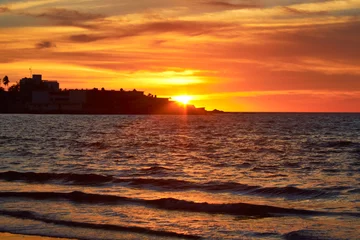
[184,99]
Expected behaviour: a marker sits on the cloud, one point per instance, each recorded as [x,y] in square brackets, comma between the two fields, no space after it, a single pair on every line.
[332,41]
[84,38]
[62,14]
[184,27]
[45,44]
[4,9]
[303,12]
[223,4]
[187,28]
[67,17]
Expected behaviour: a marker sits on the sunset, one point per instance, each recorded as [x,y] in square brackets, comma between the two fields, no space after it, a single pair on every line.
[297,56]
[184,99]
[179,119]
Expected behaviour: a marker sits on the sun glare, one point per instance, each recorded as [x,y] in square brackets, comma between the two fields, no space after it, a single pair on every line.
[184,99]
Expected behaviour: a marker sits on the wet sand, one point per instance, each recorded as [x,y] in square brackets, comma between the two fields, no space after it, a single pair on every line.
[10,236]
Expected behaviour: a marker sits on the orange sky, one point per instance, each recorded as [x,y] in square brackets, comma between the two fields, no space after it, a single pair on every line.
[233,55]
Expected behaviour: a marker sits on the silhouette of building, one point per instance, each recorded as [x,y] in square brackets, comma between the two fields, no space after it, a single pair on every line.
[43,96]
[36,83]
[30,85]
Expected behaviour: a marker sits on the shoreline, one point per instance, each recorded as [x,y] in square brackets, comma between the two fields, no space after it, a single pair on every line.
[15,236]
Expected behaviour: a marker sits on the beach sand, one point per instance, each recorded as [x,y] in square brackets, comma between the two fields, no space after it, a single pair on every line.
[10,236]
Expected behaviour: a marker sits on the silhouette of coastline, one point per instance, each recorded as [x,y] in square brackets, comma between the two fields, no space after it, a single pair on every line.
[34,95]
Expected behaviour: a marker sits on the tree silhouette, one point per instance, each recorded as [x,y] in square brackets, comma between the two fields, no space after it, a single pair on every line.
[15,88]
[6,80]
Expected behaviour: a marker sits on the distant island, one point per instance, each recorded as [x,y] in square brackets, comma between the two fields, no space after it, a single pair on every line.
[35,95]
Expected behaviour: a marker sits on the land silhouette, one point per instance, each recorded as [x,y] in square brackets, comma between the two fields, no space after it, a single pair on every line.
[35,95]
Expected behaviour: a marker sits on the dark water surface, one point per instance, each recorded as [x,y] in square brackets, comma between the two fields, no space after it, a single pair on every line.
[231,176]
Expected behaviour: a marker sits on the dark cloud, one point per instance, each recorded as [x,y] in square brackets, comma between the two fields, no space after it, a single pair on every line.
[224,4]
[86,38]
[67,17]
[45,44]
[303,12]
[158,42]
[64,15]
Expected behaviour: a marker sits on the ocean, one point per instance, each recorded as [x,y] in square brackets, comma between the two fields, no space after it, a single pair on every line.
[227,176]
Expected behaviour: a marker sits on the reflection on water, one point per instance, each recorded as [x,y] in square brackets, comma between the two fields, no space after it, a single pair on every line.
[185,175]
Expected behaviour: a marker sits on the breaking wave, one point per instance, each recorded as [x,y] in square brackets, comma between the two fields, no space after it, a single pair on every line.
[34,216]
[237,209]
[288,192]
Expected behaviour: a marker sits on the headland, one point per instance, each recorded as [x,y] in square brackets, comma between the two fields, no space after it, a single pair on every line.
[35,95]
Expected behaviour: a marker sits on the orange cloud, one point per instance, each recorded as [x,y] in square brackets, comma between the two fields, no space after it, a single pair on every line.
[189,28]
[231,55]
[297,11]
[45,44]
[4,9]
[224,4]
[68,17]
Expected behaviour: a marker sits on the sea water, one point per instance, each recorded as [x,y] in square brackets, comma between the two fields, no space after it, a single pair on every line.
[226,176]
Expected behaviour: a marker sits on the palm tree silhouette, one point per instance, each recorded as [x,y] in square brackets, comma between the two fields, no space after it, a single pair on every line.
[6,81]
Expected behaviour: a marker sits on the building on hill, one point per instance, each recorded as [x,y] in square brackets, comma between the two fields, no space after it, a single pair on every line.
[36,83]
[44,96]
[29,85]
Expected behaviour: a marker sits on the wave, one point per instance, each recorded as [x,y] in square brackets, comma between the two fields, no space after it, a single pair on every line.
[237,209]
[168,184]
[155,170]
[37,217]
[355,191]
[33,177]
[308,235]
[340,144]
[332,145]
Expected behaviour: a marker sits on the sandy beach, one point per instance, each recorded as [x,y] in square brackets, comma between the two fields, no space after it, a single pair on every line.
[10,236]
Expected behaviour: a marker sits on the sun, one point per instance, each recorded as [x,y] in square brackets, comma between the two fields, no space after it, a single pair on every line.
[184,99]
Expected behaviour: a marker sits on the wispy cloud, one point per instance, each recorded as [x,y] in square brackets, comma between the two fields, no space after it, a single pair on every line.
[85,38]
[187,28]
[45,44]
[225,4]
[68,17]
[281,47]
[302,12]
